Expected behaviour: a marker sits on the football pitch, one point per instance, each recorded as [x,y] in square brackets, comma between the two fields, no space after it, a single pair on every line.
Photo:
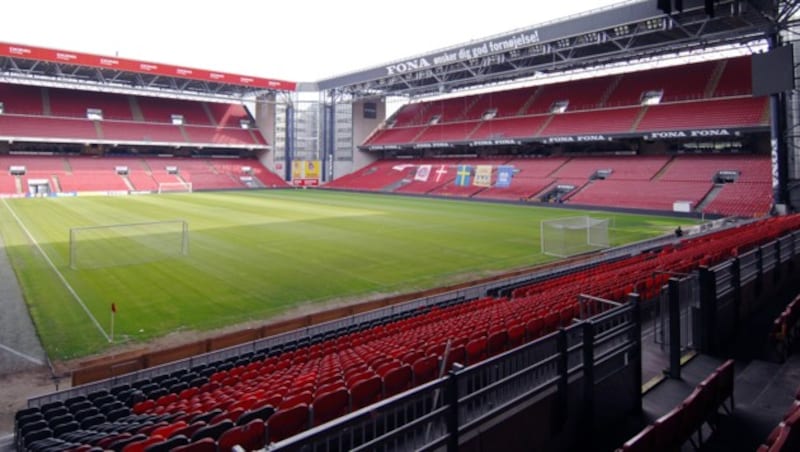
[253,255]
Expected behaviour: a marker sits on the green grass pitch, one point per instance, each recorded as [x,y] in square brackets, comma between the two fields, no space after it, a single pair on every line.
[256,254]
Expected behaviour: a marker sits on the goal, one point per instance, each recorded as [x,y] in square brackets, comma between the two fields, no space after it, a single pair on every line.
[569,236]
[174,187]
[126,244]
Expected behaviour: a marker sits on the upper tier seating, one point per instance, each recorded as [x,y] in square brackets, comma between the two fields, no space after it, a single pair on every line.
[517,127]
[705,95]
[21,99]
[736,78]
[155,109]
[67,102]
[738,112]
[616,120]
[505,103]
[693,81]
[61,114]
[583,94]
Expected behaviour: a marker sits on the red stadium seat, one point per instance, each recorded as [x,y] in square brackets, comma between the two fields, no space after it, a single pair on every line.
[287,422]
[330,405]
[397,380]
[365,392]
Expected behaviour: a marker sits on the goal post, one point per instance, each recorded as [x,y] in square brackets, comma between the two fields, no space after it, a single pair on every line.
[564,237]
[93,247]
[174,187]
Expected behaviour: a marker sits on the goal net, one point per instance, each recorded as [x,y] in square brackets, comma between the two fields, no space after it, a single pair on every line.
[126,244]
[174,187]
[565,237]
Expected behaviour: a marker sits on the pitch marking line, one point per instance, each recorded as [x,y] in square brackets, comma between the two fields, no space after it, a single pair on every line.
[22,355]
[58,273]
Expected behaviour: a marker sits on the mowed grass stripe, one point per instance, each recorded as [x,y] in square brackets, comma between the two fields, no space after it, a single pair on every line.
[256,254]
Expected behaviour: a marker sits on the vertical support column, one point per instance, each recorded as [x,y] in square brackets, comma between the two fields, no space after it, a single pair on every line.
[736,281]
[563,379]
[328,137]
[634,300]
[674,310]
[451,398]
[708,310]
[588,383]
[780,153]
[290,142]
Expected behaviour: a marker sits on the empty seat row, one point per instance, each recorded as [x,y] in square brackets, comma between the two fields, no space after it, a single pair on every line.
[685,422]
[785,437]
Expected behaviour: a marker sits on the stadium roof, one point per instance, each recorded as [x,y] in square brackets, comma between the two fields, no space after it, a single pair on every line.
[29,64]
[619,33]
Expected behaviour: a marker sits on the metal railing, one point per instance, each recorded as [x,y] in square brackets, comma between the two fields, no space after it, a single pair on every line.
[435,415]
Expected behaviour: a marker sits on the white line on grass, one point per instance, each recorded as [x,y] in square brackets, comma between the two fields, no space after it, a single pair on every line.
[22,355]
[58,273]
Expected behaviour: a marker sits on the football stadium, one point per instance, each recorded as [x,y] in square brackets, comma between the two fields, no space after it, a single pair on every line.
[578,235]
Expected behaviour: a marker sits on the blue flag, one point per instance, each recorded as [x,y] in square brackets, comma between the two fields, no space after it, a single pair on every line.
[462,175]
[504,175]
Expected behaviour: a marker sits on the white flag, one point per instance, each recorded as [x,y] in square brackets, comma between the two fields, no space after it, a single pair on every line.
[423,171]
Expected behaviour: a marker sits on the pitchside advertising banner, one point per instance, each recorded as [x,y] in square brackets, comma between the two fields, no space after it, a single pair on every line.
[142,67]
[305,173]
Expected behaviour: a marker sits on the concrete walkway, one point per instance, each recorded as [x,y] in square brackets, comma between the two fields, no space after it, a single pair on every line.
[20,348]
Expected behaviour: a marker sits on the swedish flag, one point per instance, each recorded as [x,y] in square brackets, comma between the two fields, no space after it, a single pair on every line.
[463,174]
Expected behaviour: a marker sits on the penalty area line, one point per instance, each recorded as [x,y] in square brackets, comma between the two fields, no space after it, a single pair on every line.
[57,272]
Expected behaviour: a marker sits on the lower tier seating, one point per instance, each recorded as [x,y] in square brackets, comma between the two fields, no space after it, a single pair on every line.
[76,174]
[637,182]
[264,397]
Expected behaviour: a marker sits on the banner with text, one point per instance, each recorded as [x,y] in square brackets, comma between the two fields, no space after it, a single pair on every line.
[483,176]
[305,173]
[141,67]
[504,175]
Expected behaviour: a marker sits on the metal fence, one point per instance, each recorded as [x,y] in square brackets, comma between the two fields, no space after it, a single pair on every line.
[436,414]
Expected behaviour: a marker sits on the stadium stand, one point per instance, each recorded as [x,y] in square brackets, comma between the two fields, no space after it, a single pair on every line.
[736,112]
[84,173]
[635,182]
[712,94]
[52,114]
[610,120]
[72,103]
[290,389]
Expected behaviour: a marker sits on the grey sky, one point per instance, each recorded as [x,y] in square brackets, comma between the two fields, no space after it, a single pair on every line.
[292,40]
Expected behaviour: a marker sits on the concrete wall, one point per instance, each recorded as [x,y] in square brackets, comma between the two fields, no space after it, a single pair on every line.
[265,121]
[362,128]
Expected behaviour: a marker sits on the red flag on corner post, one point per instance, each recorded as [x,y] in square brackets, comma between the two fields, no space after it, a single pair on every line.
[114,308]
